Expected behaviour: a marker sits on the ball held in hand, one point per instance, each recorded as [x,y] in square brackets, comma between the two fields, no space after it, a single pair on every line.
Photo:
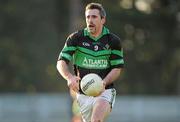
[92,84]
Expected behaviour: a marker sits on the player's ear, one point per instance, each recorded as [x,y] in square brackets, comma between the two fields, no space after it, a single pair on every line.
[103,20]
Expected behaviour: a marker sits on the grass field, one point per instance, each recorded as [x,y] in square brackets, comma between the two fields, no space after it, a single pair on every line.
[56,108]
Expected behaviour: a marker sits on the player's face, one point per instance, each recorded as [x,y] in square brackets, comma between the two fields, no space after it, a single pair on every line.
[94,21]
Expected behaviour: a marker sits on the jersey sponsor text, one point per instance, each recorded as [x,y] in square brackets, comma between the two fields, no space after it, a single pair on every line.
[95,63]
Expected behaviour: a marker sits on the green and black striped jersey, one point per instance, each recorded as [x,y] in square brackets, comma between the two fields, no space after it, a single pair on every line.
[93,55]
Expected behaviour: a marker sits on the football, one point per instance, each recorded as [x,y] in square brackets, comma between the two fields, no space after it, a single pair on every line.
[91,84]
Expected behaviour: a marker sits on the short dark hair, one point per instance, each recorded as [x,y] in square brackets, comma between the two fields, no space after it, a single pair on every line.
[97,6]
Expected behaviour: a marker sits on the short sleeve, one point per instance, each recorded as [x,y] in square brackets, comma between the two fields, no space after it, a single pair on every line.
[116,57]
[69,48]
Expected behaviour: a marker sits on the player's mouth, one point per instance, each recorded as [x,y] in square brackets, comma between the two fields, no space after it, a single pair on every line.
[91,25]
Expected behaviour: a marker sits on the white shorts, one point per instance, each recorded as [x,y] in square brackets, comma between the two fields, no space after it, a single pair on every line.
[86,103]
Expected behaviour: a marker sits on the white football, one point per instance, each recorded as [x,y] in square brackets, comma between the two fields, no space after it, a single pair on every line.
[91,84]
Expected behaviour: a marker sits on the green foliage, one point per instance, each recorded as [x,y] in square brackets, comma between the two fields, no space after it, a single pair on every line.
[30,43]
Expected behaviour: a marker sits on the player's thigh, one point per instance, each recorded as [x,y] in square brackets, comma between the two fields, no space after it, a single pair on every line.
[101,109]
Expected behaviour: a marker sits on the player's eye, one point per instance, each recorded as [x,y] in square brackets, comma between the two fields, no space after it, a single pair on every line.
[88,17]
[91,16]
[94,16]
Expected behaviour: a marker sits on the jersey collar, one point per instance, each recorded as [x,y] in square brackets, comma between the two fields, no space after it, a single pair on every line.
[105,31]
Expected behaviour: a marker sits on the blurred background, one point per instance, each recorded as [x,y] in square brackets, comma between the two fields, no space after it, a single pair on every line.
[33,32]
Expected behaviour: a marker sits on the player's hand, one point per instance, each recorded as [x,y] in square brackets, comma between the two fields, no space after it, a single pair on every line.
[73,83]
[104,85]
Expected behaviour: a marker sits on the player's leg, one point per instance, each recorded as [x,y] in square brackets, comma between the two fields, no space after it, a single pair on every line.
[76,112]
[100,110]
[103,105]
[86,105]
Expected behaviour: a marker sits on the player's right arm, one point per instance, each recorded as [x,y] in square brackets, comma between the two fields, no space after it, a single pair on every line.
[63,60]
[72,80]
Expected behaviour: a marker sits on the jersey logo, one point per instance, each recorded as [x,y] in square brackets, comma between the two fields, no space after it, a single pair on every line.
[106,47]
[96,47]
[85,44]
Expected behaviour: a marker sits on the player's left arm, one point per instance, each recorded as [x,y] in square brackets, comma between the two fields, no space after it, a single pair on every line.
[116,61]
[112,76]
